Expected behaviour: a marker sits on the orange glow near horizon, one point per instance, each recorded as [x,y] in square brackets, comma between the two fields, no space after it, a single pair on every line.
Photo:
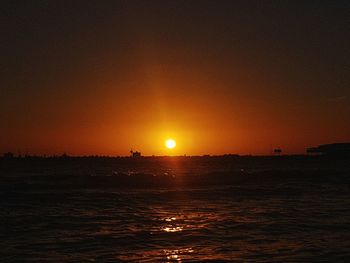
[219,129]
[146,78]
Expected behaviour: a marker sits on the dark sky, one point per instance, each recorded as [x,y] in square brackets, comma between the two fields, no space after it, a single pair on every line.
[99,77]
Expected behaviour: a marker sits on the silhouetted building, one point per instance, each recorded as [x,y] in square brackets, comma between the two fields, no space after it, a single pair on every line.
[277,151]
[135,154]
[334,149]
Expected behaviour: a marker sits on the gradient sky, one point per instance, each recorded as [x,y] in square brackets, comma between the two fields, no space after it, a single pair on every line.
[101,77]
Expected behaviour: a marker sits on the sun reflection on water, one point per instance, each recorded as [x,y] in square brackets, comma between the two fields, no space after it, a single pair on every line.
[177,255]
[174,224]
[170,219]
[173,229]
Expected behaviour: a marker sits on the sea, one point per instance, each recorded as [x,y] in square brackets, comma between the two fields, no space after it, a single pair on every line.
[175,209]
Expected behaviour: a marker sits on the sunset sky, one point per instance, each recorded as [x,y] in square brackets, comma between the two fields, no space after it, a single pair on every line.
[102,77]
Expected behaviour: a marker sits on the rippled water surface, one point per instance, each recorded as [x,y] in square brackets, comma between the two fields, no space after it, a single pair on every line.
[254,221]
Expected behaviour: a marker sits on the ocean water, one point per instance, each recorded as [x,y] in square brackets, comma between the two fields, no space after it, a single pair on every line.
[66,215]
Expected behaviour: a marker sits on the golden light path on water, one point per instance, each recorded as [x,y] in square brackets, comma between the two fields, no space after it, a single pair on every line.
[172,227]
[182,222]
[176,254]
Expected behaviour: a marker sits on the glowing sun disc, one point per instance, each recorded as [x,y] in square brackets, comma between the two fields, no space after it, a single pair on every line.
[170,143]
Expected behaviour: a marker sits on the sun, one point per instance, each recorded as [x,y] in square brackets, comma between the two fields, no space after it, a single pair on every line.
[170,143]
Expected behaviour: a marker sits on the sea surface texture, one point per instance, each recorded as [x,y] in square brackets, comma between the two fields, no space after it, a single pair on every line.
[174,211]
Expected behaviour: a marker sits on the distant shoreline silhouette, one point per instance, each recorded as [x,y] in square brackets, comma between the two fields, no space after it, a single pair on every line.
[330,150]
